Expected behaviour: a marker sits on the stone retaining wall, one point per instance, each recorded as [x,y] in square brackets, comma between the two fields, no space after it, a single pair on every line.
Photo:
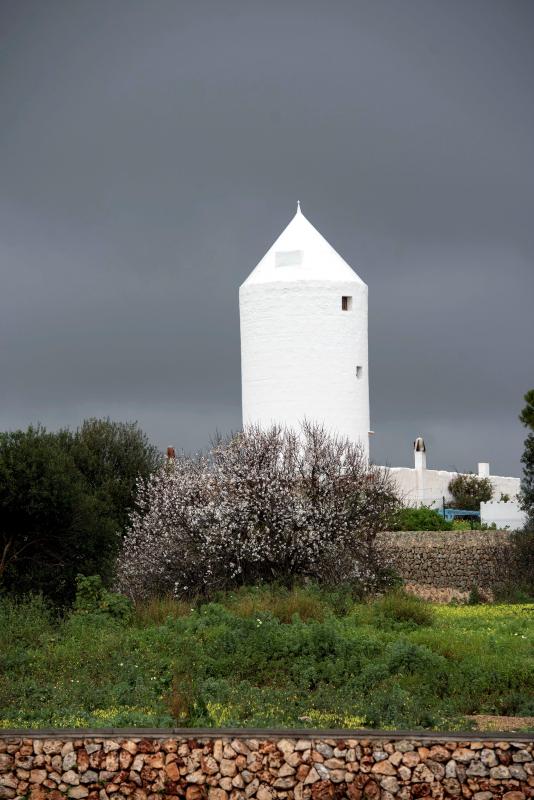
[297,767]
[450,559]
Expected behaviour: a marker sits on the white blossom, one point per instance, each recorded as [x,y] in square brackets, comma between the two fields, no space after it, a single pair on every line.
[263,505]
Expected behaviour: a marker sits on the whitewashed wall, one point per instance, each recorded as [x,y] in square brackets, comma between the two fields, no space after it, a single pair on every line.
[299,354]
[429,486]
[504,515]
[302,355]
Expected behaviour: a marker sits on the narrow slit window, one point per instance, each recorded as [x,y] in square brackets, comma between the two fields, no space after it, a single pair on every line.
[346,303]
[359,372]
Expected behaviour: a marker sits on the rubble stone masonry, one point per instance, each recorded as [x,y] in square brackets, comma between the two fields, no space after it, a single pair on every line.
[450,559]
[242,766]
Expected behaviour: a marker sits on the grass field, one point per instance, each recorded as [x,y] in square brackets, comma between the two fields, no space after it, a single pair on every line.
[267,657]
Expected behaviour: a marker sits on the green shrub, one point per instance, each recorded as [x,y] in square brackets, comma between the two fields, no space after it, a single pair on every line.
[469,491]
[93,598]
[514,591]
[52,525]
[210,666]
[420,519]
[472,525]
[400,606]
[516,704]
[475,597]
[64,498]
[404,656]
[526,495]
[23,621]
[113,456]
[393,703]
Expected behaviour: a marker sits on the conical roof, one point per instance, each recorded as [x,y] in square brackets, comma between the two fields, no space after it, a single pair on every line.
[301,254]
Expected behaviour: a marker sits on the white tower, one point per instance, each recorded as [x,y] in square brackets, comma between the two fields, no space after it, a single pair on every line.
[303,314]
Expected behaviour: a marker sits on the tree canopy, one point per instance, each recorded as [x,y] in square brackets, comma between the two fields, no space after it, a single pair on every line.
[469,491]
[64,503]
[112,456]
[527,483]
[263,505]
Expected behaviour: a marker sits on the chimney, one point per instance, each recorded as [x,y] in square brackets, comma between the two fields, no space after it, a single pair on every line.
[483,469]
[419,454]
[171,453]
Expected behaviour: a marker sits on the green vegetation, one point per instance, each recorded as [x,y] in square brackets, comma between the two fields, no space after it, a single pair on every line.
[527,459]
[469,491]
[266,656]
[64,501]
[52,526]
[76,654]
[523,554]
[92,597]
[472,525]
[420,519]
[427,519]
[402,607]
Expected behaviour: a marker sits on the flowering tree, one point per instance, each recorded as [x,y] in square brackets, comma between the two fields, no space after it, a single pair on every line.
[263,505]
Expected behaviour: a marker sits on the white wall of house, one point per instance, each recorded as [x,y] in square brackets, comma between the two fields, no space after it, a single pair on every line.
[504,515]
[421,486]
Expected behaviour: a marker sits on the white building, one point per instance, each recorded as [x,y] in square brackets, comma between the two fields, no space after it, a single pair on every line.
[303,313]
[503,515]
[430,487]
[303,316]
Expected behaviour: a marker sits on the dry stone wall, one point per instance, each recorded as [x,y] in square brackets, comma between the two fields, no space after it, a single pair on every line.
[219,767]
[450,559]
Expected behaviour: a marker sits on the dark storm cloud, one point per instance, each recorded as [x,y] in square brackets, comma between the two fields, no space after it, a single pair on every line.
[150,152]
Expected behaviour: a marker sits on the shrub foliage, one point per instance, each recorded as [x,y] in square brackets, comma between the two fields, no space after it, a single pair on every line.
[376,664]
[527,483]
[469,491]
[64,501]
[93,598]
[420,519]
[51,523]
[261,506]
[112,456]
[399,606]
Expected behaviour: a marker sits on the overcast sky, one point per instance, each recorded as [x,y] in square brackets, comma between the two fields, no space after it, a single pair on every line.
[151,151]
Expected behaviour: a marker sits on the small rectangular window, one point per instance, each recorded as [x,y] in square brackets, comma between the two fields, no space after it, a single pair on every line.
[359,372]
[288,258]
[346,303]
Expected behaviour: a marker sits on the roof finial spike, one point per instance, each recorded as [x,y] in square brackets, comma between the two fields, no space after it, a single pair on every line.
[298,206]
